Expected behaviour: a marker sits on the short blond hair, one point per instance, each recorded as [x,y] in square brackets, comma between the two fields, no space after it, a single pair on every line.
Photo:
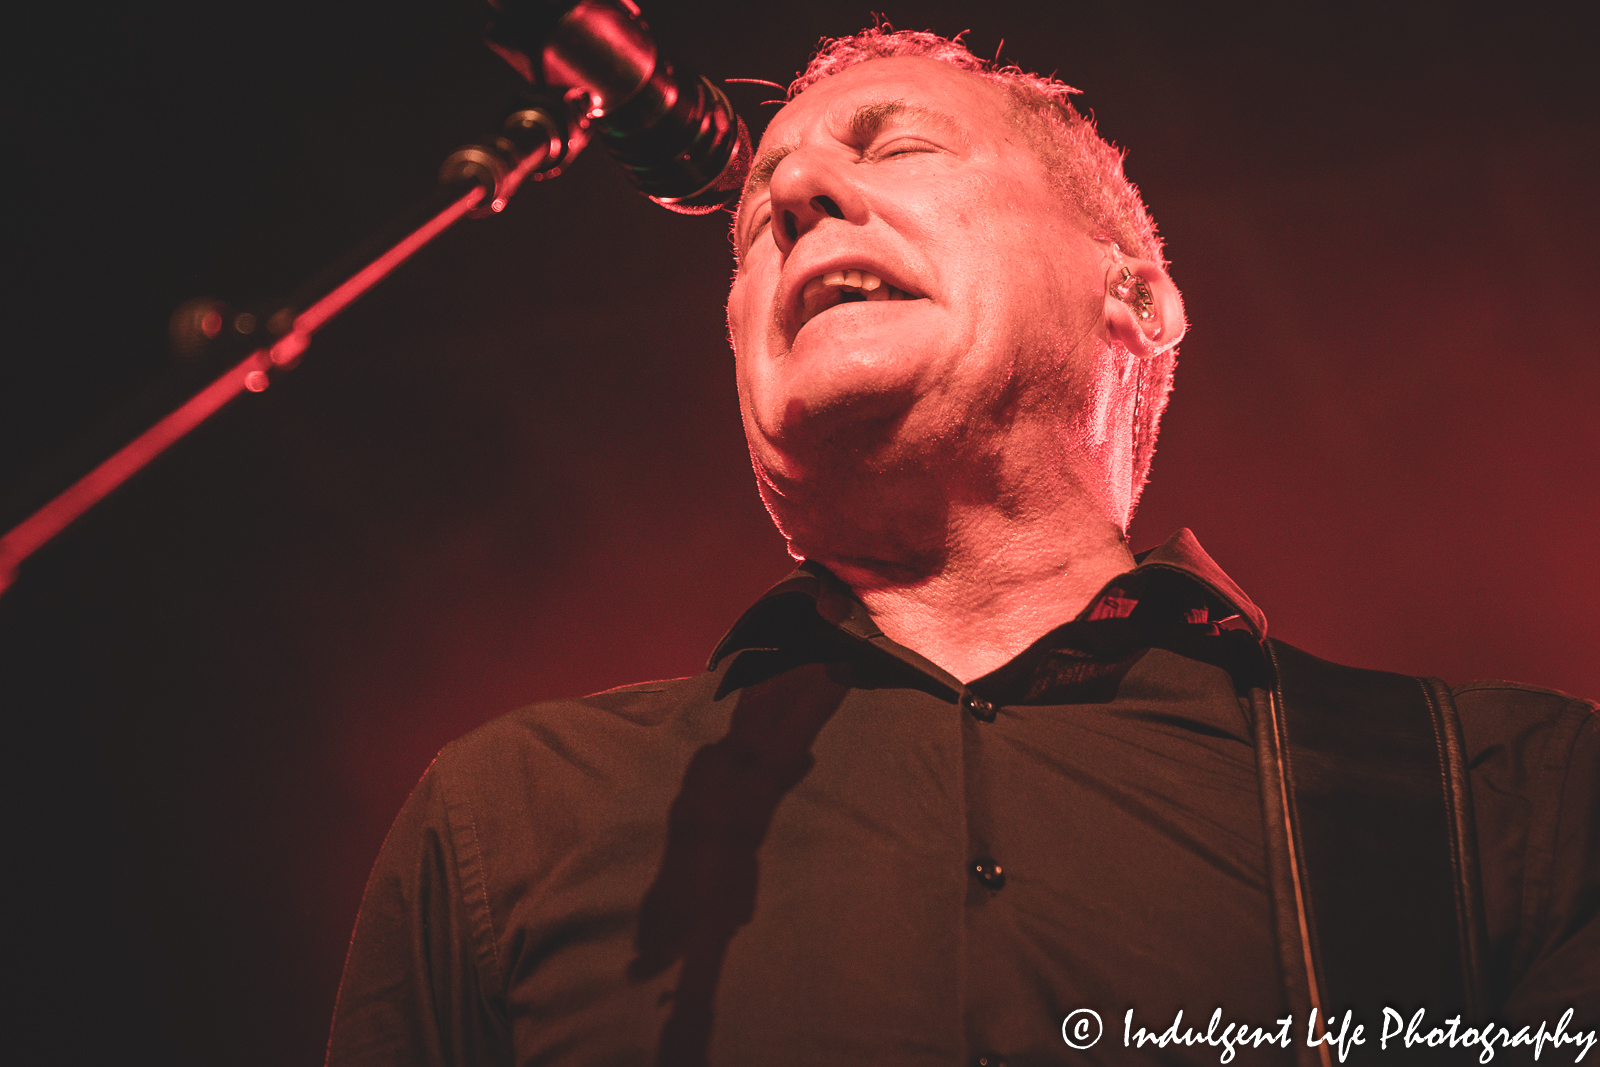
[1085,167]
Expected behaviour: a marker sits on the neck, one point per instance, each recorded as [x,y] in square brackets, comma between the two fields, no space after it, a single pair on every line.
[976,614]
[966,579]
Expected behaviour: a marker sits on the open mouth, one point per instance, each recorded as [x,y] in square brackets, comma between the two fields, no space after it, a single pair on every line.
[846,287]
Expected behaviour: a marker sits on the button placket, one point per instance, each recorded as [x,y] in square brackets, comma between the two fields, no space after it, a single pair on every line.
[978,707]
[989,873]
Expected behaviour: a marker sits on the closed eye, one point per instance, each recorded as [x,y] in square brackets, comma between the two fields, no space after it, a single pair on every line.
[763,218]
[902,146]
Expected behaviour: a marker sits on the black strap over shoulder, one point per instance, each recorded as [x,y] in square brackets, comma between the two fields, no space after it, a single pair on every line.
[1371,845]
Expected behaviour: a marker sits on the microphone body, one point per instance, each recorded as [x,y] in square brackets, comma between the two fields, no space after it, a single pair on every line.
[675,133]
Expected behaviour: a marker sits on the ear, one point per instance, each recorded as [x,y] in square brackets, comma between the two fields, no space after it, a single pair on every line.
[1143,308]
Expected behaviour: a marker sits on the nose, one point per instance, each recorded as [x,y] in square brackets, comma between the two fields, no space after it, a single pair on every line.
[807,187]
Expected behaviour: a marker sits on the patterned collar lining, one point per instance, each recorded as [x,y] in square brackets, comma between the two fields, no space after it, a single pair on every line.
[1175,590]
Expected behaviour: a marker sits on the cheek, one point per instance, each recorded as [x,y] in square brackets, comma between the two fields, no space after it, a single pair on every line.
[749,304]
[736,313]
[745,330]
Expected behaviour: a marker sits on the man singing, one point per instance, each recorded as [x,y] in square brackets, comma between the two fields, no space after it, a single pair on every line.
[974,766]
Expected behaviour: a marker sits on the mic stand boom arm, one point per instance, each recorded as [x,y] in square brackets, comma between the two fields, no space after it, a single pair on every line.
[542,134]
[675,134]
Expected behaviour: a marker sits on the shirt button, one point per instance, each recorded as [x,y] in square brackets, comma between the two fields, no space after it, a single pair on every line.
[989,873]
[988,1061]
[978,707]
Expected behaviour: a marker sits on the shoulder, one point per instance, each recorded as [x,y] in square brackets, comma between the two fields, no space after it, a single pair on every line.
[1518,699]
[611,743]
[1528,749]
[1524,725]
[638,709]
[1535,763]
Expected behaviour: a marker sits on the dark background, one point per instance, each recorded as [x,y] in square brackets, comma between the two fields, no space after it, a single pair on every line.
[516,470]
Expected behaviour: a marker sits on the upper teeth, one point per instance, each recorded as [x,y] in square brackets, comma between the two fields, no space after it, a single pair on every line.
[845,286]
[852,279]
[822,292]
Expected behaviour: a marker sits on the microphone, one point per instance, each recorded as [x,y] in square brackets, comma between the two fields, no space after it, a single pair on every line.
[674,132]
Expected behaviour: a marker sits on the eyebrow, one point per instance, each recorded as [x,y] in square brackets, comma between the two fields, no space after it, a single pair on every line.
[761,173]
[867,122]
[870,119]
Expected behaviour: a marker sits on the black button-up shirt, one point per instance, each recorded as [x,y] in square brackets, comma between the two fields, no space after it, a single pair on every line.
[827,850]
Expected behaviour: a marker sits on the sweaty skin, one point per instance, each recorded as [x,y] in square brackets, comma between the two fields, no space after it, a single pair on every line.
[954,442]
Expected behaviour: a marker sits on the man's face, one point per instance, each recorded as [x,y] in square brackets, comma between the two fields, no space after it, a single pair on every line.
[979,289]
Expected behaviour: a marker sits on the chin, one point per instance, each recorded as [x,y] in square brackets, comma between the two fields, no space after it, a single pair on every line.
[841,386]
[857,423]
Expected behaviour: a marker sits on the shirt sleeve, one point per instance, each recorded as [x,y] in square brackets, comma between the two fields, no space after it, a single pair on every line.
[421,984]
[1536,793]
[1563,907]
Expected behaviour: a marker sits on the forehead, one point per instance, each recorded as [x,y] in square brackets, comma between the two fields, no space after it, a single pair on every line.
[927,89]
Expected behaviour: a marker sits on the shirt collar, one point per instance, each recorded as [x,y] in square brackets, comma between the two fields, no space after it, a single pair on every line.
[781,613]
[1182,554]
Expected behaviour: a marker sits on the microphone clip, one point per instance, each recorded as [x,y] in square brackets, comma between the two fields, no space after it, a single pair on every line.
[543,132]
[675,133]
